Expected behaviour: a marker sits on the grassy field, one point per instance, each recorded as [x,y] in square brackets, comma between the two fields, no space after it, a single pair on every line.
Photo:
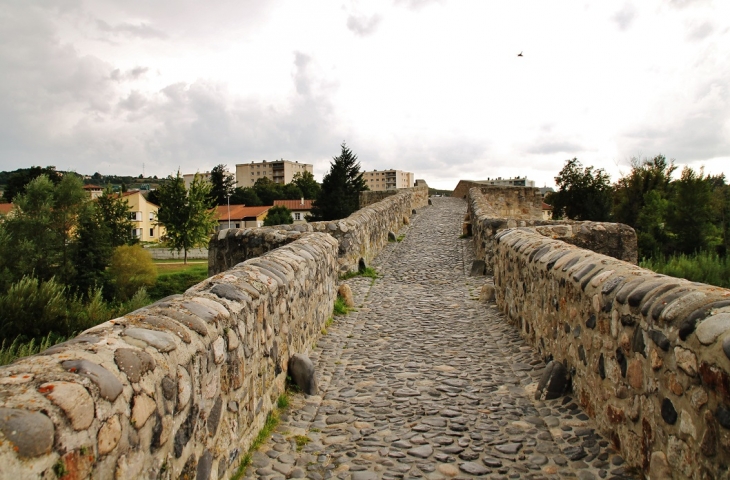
[176,277]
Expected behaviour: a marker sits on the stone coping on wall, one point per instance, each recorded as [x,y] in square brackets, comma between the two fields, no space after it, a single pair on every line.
[361,235]
[649,354]
[177,389]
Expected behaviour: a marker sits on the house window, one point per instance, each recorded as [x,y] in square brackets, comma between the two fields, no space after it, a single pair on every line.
[152,215]
[152,232]
[136,232]
[297,216]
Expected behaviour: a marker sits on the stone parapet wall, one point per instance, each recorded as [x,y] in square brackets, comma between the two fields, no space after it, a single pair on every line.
[178,389]
[360,236]
[369,197]
[492,209]
[648,353]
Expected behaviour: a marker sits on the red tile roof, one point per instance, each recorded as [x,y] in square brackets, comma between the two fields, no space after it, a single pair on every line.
[240,212]
[295,204]
[5,208]
[545,206]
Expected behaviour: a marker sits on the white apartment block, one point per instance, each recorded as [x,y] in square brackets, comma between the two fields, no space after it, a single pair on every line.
[280,171]
[378,180]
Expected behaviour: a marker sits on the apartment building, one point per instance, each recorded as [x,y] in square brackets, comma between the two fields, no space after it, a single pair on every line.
[378,180]
[280,171]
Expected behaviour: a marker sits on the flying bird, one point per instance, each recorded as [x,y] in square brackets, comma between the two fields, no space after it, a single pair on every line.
[519,54]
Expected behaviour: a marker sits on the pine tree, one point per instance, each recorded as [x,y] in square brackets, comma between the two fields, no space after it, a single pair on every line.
[222,183]
[341,187]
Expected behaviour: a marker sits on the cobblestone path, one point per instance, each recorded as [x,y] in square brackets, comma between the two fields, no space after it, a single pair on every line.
[424,381]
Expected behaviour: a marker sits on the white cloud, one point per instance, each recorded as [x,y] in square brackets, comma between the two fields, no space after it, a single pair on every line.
[432,87]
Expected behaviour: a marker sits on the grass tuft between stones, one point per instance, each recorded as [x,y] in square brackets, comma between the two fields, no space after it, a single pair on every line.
[272,420]
[340,307]
[365,272]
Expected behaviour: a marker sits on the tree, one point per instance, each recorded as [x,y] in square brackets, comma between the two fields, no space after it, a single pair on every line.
[69,198]
[290,192]
[245,196]
[307,184]
[278,215]
[690,213]
[30,244]
[21,178]
[92,250]
[267,190]
[222,183]
[341,187]
[114,213]
[582,193]
[630,191]
[131,268]
[187,215]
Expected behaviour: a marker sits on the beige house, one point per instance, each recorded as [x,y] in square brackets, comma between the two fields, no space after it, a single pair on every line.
[94,191]
[143,215]
[240,216]
[379,180]
[280,171]
[299,208]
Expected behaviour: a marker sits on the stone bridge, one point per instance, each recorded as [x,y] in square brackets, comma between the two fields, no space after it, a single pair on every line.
[516,353]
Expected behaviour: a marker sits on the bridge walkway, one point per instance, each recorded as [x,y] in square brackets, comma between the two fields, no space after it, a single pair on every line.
[424,381]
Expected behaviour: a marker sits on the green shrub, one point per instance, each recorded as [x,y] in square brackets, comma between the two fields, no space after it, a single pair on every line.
[701,267]
[366,272]
[32,308]
[130,269]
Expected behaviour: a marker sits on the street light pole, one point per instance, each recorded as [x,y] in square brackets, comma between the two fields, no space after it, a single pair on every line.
[229,210]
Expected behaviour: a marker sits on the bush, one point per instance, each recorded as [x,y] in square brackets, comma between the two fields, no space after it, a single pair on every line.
[131,268]
[18,349]
[31,308]
[701,267]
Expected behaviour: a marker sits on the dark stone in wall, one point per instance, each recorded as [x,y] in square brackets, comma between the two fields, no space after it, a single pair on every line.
[601,367]
[637,343]
[591,322]
[205,465]
[214,416]
[669,414]
[659,339]
[622,363]
[723,416]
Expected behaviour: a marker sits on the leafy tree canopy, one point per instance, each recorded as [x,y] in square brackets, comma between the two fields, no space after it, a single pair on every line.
[187,215]
[278,215]
[583,194]
[307,185]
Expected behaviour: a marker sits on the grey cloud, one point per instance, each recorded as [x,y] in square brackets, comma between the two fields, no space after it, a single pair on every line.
[625,17]
[697,130]
[686,3]
[699,30]
[133,74]
[127,29]
[362,25]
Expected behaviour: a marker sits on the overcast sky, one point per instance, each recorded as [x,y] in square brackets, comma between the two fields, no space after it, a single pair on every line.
[429,86]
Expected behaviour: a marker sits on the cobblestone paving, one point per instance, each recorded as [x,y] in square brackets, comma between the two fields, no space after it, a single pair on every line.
[424,381]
